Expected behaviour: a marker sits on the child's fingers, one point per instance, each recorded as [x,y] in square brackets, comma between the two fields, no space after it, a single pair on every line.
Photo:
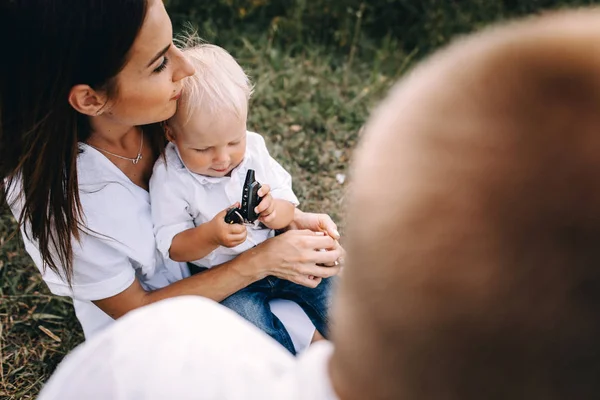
[221,214]
[268,217]
[234,205]
[264,190]
[239,238]
[266,203]
[234,239]
[236,229]
[265,211]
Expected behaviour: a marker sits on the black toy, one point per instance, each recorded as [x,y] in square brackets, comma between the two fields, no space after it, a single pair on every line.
[250,199]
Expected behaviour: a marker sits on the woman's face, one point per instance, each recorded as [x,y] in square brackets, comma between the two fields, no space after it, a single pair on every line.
[151,82]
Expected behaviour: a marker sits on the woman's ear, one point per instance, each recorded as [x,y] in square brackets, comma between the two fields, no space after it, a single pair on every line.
[86,100]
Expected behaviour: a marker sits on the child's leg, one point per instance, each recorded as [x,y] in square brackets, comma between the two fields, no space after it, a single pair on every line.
[252,303]
[315,302]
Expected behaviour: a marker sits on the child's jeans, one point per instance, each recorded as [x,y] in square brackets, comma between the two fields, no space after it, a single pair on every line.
[252,303]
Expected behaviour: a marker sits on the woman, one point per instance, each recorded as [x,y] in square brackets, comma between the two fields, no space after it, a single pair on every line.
[80,103]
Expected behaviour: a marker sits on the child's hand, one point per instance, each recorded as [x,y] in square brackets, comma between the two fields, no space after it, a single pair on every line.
[228,235]
[266,208]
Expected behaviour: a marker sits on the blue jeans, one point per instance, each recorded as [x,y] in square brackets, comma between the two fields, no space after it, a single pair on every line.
[252,303]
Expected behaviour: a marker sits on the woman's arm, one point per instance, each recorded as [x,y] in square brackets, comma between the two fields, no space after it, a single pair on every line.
[291,256]
[216,283]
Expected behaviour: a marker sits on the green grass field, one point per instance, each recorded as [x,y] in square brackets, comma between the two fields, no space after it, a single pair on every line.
[310,102]
[309,106]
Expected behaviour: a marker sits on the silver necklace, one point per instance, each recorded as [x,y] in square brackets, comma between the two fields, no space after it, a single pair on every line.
[133,160]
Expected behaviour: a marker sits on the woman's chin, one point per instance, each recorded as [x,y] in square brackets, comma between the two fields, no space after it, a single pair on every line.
[167,113]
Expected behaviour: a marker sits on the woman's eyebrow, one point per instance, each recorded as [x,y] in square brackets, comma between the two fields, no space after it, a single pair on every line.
[159,55]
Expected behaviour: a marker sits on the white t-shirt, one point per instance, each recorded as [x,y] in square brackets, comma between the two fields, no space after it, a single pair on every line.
[119,245]
[189,348]
[182,199]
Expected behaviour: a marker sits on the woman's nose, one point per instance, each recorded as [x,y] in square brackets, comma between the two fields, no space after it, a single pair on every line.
[184,67]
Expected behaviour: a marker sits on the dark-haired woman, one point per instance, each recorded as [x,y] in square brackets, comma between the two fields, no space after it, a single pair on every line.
[83,87]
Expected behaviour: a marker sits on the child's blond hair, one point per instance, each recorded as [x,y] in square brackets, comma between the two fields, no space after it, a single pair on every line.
[219,84]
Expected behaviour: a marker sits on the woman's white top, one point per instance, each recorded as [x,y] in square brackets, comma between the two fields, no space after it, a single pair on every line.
[117,245]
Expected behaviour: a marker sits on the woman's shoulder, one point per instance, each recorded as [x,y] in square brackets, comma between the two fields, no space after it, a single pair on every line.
[94,170]
[101,200]
[108,198]
[114,230]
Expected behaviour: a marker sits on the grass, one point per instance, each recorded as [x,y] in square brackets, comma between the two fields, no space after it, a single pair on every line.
[309,105]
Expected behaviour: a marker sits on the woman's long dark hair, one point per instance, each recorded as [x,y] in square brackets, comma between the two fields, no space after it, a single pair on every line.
[48,46]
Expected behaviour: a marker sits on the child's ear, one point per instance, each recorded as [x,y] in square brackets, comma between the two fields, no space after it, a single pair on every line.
[169,132]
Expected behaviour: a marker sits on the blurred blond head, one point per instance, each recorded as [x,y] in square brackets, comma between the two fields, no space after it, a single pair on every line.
[474,224]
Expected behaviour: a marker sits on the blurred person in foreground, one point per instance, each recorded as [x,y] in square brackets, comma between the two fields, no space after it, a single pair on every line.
[473,253]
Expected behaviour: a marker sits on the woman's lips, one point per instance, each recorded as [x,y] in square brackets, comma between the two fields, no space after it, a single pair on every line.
[177,96]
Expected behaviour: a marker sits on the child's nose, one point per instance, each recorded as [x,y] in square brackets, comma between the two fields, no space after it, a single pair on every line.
[221,156]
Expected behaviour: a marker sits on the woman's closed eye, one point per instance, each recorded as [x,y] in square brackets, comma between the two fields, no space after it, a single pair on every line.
[162,65]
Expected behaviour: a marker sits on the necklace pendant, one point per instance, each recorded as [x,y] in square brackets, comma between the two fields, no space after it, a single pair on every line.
[137,159]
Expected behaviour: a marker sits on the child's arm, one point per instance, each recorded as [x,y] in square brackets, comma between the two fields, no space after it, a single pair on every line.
[195,243]
[277,207]
[274,213]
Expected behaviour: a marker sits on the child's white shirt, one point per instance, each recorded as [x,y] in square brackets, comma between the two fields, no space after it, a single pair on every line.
[181,199]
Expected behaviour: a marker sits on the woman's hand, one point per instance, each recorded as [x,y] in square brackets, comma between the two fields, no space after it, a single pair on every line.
[315,223]
[299,256]
[296,256]
[304,255]
[318,223]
